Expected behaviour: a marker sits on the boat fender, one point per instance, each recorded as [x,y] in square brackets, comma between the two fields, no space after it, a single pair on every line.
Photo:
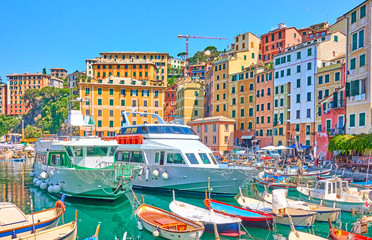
[44,175]
[165,176]
[60,205]
[34,180]
[50,189]
[56,188]
[31,174]
[155,233]
[139,224]
[38,182]
[155,173]
[43,186]
[140,172]
[147,174]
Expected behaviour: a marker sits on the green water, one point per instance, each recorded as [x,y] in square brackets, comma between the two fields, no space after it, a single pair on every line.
[117,217]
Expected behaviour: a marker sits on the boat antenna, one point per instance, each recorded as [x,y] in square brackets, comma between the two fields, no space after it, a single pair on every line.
[32,213]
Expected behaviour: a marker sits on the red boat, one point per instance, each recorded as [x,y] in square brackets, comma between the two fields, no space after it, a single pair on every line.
[336,234]
[250,218]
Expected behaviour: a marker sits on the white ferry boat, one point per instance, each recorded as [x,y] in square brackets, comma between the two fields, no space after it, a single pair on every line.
[176,159]
[82,167]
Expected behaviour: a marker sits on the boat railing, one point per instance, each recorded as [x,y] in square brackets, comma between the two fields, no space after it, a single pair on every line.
[124,170]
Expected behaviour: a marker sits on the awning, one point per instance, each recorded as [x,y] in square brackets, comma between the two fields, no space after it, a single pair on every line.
[303,147]
[247,137]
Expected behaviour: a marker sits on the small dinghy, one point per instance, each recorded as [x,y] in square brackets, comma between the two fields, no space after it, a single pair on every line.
[336,234]
[323,213]
[280,210]
[168,225]
[249,218]
[226,225]
[66,232]
[14,223]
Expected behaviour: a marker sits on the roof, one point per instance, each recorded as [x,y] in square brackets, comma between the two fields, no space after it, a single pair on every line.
[58,69]
[118,80]
[56,79]
[212,119]
[329,68]
[277,30]
[132,52]
[28,74]
[117,62]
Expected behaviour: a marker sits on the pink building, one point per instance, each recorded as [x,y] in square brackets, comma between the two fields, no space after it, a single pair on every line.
[215,132]
[277,40]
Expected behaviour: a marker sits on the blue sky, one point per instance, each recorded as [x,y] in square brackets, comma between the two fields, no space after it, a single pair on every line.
[63,33]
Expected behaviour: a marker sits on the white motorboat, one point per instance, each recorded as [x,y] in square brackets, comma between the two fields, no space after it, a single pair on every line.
[280,210]
[82,167]
[323,213]
[336,193]
[176,159]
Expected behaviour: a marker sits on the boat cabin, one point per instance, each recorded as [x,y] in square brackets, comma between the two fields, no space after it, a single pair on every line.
[330,189]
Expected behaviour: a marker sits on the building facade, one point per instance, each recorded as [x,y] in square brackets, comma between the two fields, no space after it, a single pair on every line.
[176,63]
[217,133]
[314,31]
[110,96]
[89,66]
[170,103]
[208,96]
[3,99]
[17,85]
[74,78]
[56,82]
[196,71]
[58,73]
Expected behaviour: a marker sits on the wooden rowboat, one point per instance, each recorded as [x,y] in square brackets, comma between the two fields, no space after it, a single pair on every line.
[250,218]
[14,223]
[168,225]
[336,234]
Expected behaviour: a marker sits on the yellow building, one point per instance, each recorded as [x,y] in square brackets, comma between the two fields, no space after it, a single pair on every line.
[358,66]
[159,59]
[3,91]
[110,96]
[190,99]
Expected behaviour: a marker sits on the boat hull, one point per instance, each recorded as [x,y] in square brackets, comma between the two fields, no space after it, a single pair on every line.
[290,187]
[323,216]
[223,181]
[224,229]
[85,183]
[299,221]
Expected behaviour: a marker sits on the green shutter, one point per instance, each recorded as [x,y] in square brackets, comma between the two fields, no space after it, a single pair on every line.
[347,91]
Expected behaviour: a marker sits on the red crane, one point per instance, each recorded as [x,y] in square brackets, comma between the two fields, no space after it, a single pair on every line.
[187,43]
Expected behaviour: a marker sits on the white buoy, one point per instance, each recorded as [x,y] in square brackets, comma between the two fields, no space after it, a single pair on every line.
[31,174]
[165,176]
[57,188]
[43,186]
[44,175]
[139,224]
[155,233]
[38,182]
[155,173]
[50,189]
[35,180]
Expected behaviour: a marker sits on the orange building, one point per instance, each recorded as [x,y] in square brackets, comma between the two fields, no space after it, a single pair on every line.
[264,106]
[17,86]
[170,102]
[58,73]
[277,40]
[3,98]
[314,31]
[215,132]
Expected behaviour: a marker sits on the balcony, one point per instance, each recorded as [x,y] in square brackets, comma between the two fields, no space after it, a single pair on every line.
[337,104]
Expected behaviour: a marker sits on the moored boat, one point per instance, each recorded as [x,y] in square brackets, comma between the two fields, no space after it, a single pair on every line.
[280,210]
[250,218]
[14,223]
[226,225]
[274,181]
[168,225]
[337,193]
[337,234]
[303,236]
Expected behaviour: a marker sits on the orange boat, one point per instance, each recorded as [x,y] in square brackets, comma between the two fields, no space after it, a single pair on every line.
[336,234]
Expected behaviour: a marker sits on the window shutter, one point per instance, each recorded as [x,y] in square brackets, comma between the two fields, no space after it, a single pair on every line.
[347,93]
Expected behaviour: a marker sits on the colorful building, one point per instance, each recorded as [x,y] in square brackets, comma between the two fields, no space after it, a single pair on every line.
[176,63]
[160,60]
[277,40]
[208,96]
[242,42]
[215,132]
[170,103]
[190,99]
[314,31]
[74,78]
[58,73]
[3,99]
[264,105]
[89,66]
[56,82]
[17,86]
[112,95]
[358,66]
[196,71]
[296,68]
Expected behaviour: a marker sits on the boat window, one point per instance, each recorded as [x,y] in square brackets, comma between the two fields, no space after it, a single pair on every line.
[333,187]
[213,158]
[344,186]
[124,156]
[136,157]
[320,185]
[69,151]
[170,130]
[96,151]
[329,188]
[78,151]
[175,158]
[55,160]
[157,156]
[204,158]
[112,151]
[192,158]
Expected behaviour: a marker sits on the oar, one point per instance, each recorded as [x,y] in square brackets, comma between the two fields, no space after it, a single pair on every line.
[217,237]
[293,229]
[134,196]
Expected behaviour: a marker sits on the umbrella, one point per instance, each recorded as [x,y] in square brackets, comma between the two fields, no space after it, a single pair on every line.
[269,148]
[29,148]
[282,148]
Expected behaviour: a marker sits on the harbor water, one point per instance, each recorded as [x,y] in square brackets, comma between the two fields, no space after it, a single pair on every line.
[117,217]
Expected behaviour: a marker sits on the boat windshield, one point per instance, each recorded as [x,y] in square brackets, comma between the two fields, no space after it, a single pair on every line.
[130,156]
[158,129]
[175,158]
[204,158]
[320,185]
[192,158]
[96,151]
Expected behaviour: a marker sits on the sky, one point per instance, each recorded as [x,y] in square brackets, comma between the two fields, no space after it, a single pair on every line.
[37,34]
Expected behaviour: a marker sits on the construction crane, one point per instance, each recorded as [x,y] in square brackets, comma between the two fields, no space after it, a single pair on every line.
[187,43]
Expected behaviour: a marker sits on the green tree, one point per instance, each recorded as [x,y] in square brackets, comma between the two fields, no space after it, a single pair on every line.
[44,71]
[7,123]
[182,55]
[32,132]
[171,81]
[211,48]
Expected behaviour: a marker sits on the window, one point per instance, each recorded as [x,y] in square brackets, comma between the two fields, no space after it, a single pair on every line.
[205,128]
[326,78]
[241,99]
[320,80]
[282,73]
[298,83]
[326,93]
[250,113]
[99,101]
[352,120]
[282,89]
[281,102]
[241,88]
[309,96]
[354,43]
[362,119]
[299,68]
[362,60]
[320,94]
[297,114]
[298,97]
[309,66]
[99,90]
[111,102]
[250,98]
[99,123]
[280,131]
[276,90]
[204,158]
[111,123]
[309,51]
[195,112]
[328,125]
[241,126]
[335,38]
[87,90]
[111,91]
[276,103]
[362,11]
[352,63]
[241,112]
[299,55]
[308,80]
[337,76]
[308,113]
[122,102]
[288,72]
[353,17]
[268,106]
